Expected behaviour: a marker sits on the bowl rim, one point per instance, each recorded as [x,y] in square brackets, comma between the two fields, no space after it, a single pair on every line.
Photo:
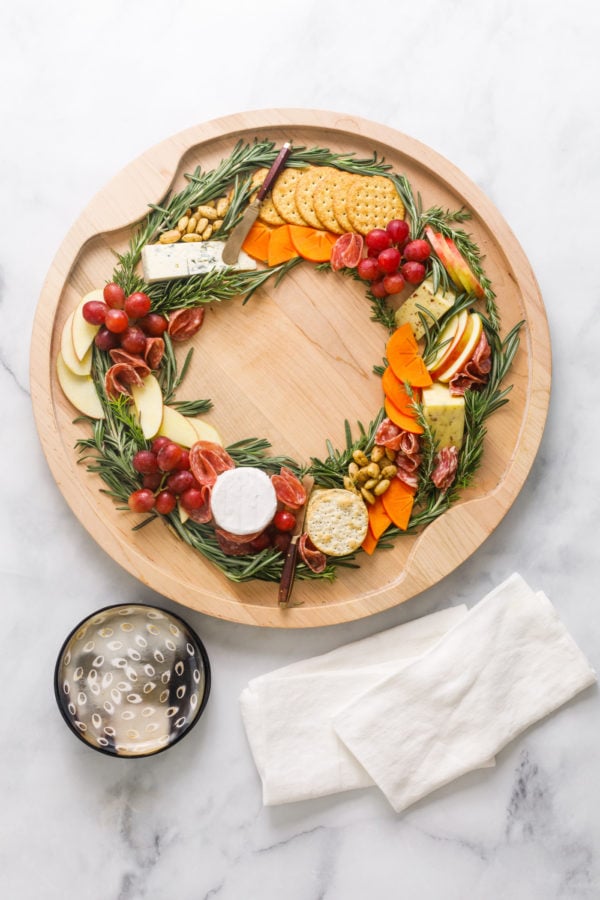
[205,662]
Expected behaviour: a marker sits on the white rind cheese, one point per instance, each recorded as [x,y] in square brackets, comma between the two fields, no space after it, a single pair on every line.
[164,262]
[243,500]
[445,415]
[436,304]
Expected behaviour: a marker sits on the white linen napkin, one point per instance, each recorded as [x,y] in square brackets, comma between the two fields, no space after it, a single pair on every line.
[288,713]
[503,667]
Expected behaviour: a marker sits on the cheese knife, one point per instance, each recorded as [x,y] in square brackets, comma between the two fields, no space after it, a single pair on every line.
[289,564]
[233,244]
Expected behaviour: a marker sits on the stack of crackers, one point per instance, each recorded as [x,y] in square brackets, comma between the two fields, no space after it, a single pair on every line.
[330,199]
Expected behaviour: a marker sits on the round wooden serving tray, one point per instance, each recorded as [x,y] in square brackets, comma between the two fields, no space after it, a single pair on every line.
[291,366]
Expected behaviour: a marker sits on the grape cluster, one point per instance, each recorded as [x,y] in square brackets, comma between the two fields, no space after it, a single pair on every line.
[125,322]
[392,259]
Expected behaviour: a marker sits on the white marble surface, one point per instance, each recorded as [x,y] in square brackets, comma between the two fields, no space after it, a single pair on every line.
[509,91]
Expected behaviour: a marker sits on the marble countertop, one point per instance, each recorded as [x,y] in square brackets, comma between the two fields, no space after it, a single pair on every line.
[509,92]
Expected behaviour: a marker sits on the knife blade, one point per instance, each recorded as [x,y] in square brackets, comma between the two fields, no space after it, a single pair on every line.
[234,242]
[291,558]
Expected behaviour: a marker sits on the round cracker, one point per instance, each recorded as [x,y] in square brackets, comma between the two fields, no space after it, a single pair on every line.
[372,202]
[284,196]
[305,187]
[323,201]
[268,213]
[336,521]
[339,197]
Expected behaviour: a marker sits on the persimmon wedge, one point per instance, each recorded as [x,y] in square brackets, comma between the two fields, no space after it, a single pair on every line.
[398,502]
[281,248]
[399,418]
[257,241]
[311,243]
[395,391]
[404,358]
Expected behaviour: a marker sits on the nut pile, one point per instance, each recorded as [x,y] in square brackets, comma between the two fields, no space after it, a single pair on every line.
[198,224]
[370,476]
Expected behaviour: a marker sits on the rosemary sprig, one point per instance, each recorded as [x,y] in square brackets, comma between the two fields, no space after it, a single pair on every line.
[330,471]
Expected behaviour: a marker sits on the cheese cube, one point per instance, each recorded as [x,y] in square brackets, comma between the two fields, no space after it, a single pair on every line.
[444,414]
[436,304]
[164,262]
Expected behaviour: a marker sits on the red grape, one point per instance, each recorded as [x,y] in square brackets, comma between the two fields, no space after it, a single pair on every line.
[398,230]
[184,462]
[168,457]
[281,541]
[137,305]
[153,324]
[165,502]
[389,260]
[180,481]
[94,312]
[284,520]
[141,501]
[152,480]
[417,251]
[261,542]
[378,289]
[394,283]
[368,269]
[378,239]
[133,339]
[160,441]
[116,320]
[192,499]
[413,272]
[145,462]
[114,295]
[106,340]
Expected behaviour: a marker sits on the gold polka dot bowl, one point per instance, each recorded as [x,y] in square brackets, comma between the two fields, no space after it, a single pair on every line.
[132,680]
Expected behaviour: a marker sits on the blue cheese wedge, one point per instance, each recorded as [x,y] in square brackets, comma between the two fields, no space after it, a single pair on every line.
[164,262]
[433,305]
[445,415]
[243,500]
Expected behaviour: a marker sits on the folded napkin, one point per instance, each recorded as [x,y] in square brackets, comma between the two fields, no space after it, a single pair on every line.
[288,713]
[504,666]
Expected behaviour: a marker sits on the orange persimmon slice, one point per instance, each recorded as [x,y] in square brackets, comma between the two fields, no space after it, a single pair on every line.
[281,248]
[398,503]
[369,542]
[378,518]
[395,391]
[312,244]
[404,358]
[257,240]
[400,418]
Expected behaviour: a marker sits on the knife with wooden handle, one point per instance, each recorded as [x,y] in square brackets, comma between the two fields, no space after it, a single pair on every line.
[234,242]
[289,564]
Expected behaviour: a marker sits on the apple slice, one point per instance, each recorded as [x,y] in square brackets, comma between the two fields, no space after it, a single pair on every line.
[454,262]
[148,402]
[448,339]
[183,513]
[77,366]
[82,332]
[80,390]
[206,432]
[473,334]
[177,427]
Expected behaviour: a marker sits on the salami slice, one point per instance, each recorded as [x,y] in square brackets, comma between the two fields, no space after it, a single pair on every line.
[231,545]
[202,514]
[445,466]
[154,351]
[389,435]
[314,559]
[476,371]
[119,378]
[131,359]
[207,460]
[289,489]
[184,323]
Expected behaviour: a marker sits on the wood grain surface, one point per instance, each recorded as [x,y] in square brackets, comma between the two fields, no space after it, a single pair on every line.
[290,366]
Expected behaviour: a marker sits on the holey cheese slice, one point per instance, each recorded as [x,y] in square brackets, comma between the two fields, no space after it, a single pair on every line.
[243,500]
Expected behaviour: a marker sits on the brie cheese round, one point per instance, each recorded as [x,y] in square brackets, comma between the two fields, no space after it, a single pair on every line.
[243,500]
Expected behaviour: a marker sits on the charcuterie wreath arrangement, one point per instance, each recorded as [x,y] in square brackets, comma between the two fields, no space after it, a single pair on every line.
[442,370]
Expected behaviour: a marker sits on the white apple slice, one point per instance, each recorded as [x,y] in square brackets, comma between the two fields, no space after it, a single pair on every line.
[449,338]
[476,327]
[148,402]
[82,332]
[183,513]
[206,432]
[79,389]
[177,427]
[77,366]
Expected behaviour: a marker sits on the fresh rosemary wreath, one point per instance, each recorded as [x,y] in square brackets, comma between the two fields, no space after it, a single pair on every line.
[115,439]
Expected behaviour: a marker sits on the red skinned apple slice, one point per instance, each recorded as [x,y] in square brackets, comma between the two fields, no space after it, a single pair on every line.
[449,338]
[472,335]
[454,262]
